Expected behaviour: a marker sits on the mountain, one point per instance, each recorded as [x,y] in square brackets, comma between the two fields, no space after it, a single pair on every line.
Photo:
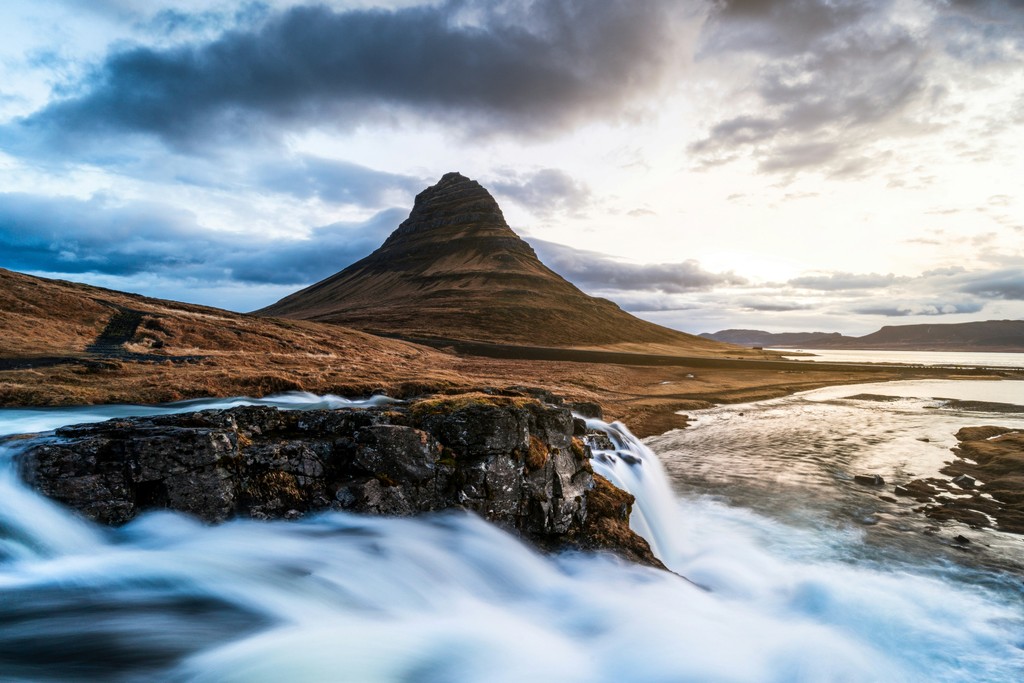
[455,270]
[767,339]
[989,335]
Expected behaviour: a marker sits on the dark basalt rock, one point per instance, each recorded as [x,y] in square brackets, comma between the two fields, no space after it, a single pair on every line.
[587,409]
[982,487]
[513,460]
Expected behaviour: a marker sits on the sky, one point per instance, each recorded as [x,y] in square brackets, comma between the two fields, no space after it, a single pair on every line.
[809,165]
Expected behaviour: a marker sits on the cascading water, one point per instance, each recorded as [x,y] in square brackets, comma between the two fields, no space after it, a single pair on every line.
[445,598]
[631,466]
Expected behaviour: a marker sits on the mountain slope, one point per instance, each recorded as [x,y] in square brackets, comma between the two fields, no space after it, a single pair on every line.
[65,342]
[454,269]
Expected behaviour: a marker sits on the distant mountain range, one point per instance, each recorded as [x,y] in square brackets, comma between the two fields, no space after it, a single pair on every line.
[766,339]
[988,335]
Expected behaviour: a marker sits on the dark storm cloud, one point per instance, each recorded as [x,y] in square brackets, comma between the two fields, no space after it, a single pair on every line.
[595,271]
[65,235]
[545,191]
[521,67]
[846,281]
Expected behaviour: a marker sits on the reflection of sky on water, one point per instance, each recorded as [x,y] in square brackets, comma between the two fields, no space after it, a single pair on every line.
[794,458]
[956,358]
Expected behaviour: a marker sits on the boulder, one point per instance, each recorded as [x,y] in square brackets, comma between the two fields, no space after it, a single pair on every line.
[965,481]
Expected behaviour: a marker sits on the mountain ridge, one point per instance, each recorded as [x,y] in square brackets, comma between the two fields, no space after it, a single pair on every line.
[983,335]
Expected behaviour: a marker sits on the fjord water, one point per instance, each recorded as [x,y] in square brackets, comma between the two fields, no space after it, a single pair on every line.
[339,597]
[943,358]
[795,458]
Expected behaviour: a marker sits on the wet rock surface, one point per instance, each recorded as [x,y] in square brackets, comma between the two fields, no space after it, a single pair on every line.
[512,460]
[985,484]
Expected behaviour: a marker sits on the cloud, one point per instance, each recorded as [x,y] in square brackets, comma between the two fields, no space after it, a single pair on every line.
[520,67]
[545,192]
[640,212]
[826,81]
[773,304]
[845,281]
[651,302]
[787,157]
[904,309]
[327,250]
[740,130]
[1004,284]
[78,236]
[596,271]
[334,181]
[171,22]
[67,235]
[982,32]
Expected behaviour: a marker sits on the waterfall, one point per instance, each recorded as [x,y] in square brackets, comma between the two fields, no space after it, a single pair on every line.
[450,598]
[632,467]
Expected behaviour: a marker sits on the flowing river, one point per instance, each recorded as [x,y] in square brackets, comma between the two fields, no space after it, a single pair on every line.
[795,574]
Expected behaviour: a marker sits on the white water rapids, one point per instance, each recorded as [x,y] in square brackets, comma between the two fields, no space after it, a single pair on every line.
[450,598]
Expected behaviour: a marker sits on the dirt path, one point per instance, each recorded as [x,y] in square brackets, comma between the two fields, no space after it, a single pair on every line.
[119,331]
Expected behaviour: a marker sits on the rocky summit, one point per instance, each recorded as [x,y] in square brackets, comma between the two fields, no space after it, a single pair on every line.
[455,269]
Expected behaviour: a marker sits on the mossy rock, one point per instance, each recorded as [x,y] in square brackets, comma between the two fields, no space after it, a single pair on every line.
[448,404]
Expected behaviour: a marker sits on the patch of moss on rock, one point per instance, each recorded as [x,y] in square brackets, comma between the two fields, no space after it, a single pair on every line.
[439,405]
[607,524]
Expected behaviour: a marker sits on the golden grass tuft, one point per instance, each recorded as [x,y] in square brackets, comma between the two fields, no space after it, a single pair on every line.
[537,455]
[275,485]
[447,404]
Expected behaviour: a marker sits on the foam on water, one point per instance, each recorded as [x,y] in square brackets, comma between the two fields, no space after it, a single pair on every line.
[446,598]
[31,420]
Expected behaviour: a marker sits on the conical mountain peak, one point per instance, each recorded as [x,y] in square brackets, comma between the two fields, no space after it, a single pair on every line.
[454,207]
[455,269]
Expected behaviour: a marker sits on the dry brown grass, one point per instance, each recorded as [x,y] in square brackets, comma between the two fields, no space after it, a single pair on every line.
[249,355]
[537,456]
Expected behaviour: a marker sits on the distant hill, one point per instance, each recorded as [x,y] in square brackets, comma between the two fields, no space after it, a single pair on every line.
[455,270]
[766,339]
[71,343]
[988,335]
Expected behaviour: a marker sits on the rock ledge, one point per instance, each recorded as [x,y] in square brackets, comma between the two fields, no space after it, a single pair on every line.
[512,460]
